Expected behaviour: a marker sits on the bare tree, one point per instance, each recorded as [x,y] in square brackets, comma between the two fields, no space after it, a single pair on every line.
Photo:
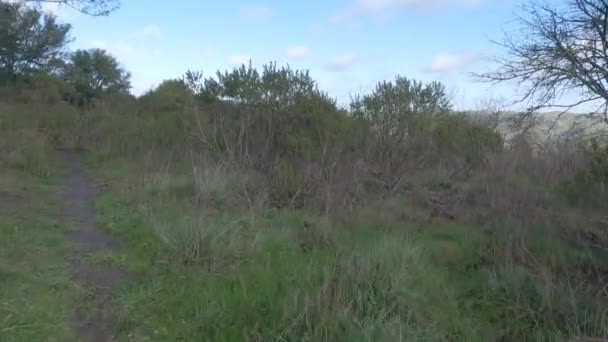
[558,51]
[89,7]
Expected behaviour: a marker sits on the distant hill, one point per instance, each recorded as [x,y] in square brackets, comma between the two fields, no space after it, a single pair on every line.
[547,125]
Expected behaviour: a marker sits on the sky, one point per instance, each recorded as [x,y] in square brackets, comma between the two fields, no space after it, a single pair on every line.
[348,45]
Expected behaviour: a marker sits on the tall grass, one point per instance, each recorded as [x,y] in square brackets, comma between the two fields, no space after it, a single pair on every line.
[31,132]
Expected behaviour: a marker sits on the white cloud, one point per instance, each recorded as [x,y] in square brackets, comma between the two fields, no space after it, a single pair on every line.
[382,8]
[148,31]
[255,12]
[446,62]
[343,62]
[297,51]
[238,60]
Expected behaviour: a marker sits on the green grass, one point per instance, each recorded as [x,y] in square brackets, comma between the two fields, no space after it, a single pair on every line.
[37,297]
[209,265]
[220,274]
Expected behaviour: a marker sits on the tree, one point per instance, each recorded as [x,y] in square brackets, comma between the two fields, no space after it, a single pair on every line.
[391,106]
[93,73]
[561,50]
[30,40]
[399,113]
[260,116]
[89,7]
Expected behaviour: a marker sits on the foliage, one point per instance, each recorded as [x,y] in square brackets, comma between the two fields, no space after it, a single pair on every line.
[36,88]
[457,136]
[277,88]
[598,170]
[391,106]
[590,186]
[30,40]
[93,73]
[275,113]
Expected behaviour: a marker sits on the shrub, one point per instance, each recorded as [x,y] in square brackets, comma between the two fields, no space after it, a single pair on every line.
[34,89]
[589,187]
[171,96]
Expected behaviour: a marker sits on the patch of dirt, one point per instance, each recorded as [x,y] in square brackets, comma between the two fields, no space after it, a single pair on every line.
[94,320]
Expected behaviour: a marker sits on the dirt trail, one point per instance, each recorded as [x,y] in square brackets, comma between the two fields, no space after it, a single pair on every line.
[93,321]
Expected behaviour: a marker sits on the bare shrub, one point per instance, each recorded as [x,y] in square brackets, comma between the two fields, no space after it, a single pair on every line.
[227,186]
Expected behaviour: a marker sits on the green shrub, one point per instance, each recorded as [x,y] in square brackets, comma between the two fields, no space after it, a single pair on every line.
[457,137]
[170,97]
[589,187]
[35,89]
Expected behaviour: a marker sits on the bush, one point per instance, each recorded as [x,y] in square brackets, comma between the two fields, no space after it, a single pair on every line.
[457,138]
[589,188]
[171,96]
[34,89]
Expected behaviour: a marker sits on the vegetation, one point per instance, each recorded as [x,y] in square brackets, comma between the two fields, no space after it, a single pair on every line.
[36,294]
[252,207]
[93,73]
[29,41]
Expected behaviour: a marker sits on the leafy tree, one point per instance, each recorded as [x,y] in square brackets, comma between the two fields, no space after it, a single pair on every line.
[392,105]
[207,89]
[90,7]
[400,114]
[30,40]
[261,115]
[94,73]
[291,109]
[273,87]
[561,49]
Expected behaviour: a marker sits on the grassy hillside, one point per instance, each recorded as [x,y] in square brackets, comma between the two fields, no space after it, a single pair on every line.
[247,216]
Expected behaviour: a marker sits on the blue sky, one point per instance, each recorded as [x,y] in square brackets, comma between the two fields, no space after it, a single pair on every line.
[348,45]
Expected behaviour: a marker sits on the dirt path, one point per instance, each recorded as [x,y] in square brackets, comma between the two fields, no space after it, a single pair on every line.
[93,321]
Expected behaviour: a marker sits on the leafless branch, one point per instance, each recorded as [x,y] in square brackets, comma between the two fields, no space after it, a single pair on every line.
[555,52]
[89,7]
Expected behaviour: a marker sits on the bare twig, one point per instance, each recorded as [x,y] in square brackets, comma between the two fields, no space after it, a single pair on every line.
[559,50]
